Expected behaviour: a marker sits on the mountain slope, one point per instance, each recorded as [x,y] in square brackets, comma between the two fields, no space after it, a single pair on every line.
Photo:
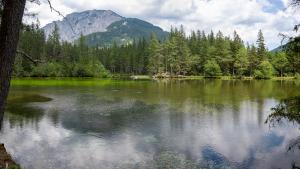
[124,32]
[279,48]
[102,28]
[85,23]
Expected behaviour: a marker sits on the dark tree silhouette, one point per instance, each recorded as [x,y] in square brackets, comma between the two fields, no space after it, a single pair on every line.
[287,109]
[11,22]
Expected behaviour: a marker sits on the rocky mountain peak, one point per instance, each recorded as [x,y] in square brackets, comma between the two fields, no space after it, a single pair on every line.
[85,23]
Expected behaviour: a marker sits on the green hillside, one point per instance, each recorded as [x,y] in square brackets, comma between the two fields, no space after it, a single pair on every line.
[124,32]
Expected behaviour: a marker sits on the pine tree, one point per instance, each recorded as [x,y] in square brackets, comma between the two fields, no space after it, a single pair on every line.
[155,64]
[222,53]
[241,63]
[280,62]
[253,59]
[53,44]
[261,47]
[235,46]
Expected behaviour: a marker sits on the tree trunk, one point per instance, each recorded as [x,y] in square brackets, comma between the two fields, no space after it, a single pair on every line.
[9,37]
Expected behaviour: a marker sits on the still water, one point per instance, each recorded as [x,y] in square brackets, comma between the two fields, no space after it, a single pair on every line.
[108,124]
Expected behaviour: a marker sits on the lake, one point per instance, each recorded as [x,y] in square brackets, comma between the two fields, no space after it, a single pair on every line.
[95,124]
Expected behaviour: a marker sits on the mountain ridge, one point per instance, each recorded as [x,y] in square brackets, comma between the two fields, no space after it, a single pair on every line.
[125,31]
[102,27]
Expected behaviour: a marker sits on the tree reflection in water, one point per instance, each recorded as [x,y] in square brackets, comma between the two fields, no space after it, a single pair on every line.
[287,110]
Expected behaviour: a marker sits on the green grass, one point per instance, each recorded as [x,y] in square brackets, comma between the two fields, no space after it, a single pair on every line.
[283,78]
[115,80]
[65,82]
[14,167]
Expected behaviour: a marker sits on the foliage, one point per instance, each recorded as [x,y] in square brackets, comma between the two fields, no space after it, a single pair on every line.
[212,68]
[288,109]
[51,69]
[241,63]
[178,55]
[14,167]
[58,59]
[155,56]
[265,70]
[261,47]
[280,62]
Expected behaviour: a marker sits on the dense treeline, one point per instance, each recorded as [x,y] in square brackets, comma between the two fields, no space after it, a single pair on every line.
[197,54]
[200,54]
[55,58]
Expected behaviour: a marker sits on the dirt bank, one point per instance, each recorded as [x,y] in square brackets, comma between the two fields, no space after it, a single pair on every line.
[6,162]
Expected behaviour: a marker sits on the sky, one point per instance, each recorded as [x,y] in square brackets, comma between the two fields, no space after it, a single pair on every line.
[244,16]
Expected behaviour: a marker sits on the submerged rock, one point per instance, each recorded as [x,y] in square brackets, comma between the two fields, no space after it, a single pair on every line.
[6,161]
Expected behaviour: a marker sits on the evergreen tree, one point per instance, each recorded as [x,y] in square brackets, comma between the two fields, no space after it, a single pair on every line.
[53,44]
[235,46]
[280,62]
[265,70]
[241,64]
[198,54]
[155,56]
[261,47]
[253,59]
[212,68]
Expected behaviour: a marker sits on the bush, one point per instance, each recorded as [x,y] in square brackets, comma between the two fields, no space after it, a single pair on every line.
[265,70]
[297,76]
[212,68]
[90,70]
[50,69]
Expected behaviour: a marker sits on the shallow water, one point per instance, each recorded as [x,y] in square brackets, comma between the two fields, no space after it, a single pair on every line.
[78,124]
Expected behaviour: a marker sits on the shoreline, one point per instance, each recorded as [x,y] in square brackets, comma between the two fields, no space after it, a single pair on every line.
[148,77]
[6,161]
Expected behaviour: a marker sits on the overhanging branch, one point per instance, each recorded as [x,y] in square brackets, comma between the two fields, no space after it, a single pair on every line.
[27,56]
[60,14]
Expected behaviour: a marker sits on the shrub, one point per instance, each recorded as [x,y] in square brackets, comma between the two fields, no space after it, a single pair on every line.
[297,76]
[50,69]
[212,68]
[90,70]
[265,70]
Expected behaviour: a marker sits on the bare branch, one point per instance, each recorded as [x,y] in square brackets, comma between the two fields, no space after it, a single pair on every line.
[283,38]
[296,28]
[60,14]
[295,3]
[295,143]
[27,56]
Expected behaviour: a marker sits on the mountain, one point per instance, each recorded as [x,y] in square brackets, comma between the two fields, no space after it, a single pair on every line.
[102,28]
[279,48]
[85,23]
[124,32]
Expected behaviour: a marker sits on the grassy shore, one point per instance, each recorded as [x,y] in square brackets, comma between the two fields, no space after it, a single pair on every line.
[148,77]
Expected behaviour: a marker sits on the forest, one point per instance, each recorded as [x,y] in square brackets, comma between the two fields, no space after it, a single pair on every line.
[200,53]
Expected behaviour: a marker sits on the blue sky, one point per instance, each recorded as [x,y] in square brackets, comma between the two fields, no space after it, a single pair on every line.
[276,5]
[244,16]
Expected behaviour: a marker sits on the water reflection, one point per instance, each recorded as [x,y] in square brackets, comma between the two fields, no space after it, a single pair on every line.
[195,124]
[288,110]
[23,108]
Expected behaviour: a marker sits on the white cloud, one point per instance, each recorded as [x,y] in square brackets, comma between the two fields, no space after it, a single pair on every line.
[245,16]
